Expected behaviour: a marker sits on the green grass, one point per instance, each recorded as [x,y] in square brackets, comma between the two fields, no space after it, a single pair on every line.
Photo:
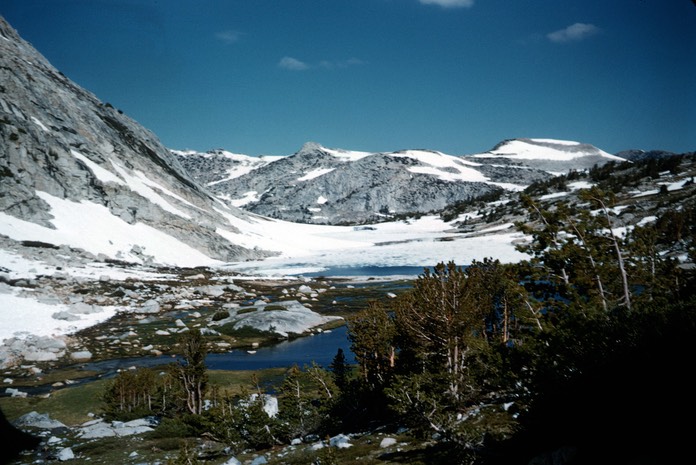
[273,308]
[48,377]
[238,380]
[71,405]
[242,311]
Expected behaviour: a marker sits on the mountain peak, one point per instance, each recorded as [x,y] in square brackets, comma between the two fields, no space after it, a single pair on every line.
[545,149]
[310,146]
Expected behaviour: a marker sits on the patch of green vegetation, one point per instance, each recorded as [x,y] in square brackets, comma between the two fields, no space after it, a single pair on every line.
[333,325]
[242,311]
[112,450]
[274,308]
[236,381]
[173,428]
[5,172]
[71,405]
[49,377]
[220,315]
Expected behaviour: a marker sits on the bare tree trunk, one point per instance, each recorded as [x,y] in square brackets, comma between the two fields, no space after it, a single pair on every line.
[619,256]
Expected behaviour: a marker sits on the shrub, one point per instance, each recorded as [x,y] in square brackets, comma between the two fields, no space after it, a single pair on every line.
[180,427]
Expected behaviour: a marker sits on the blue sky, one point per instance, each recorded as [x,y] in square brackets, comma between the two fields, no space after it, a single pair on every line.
[262,77]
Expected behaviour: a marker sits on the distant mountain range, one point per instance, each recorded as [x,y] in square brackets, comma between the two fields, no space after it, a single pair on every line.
[332,186]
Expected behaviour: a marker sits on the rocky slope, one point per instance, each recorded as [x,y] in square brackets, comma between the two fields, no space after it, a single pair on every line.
[65,152]
[332,186]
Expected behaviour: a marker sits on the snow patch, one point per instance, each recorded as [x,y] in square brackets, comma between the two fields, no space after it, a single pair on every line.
[347,155]
[315,174]
[39,124]
[249,197]
[100,173]
[91,227]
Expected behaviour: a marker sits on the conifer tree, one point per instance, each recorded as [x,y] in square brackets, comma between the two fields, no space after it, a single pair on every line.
[371,333]
[192,372]
[132,393]
[452,332]
[582,246]
[340,370]
[298,415]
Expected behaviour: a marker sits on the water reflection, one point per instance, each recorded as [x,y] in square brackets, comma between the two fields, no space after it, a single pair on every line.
[410,272]
[320,348]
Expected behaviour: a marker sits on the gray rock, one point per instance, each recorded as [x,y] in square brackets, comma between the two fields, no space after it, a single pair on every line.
[150,306]
[387,442]
[61,140]
[65,454]
[66,316]
[15,392]
[100,429]
[81,355]
[38,420]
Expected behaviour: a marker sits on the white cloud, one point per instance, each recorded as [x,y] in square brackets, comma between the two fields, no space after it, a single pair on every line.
[292,64]
[573,33]
[229,36]
[449,3]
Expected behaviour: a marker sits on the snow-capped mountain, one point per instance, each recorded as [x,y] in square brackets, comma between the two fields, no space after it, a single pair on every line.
[76,172]
[550,155]
[332,186]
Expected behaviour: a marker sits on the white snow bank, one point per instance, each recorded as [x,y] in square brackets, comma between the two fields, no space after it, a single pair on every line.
[24,316]
[91,227]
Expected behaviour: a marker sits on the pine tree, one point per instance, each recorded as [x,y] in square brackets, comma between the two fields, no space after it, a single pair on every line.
[454,329]
[298,414]
[371,333]
[582,248]
[192,372]
[340,370]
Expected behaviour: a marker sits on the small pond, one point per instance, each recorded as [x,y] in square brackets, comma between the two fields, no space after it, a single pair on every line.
[320,348]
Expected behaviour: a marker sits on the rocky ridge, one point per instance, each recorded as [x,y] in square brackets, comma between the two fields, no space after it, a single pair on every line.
[332,186]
